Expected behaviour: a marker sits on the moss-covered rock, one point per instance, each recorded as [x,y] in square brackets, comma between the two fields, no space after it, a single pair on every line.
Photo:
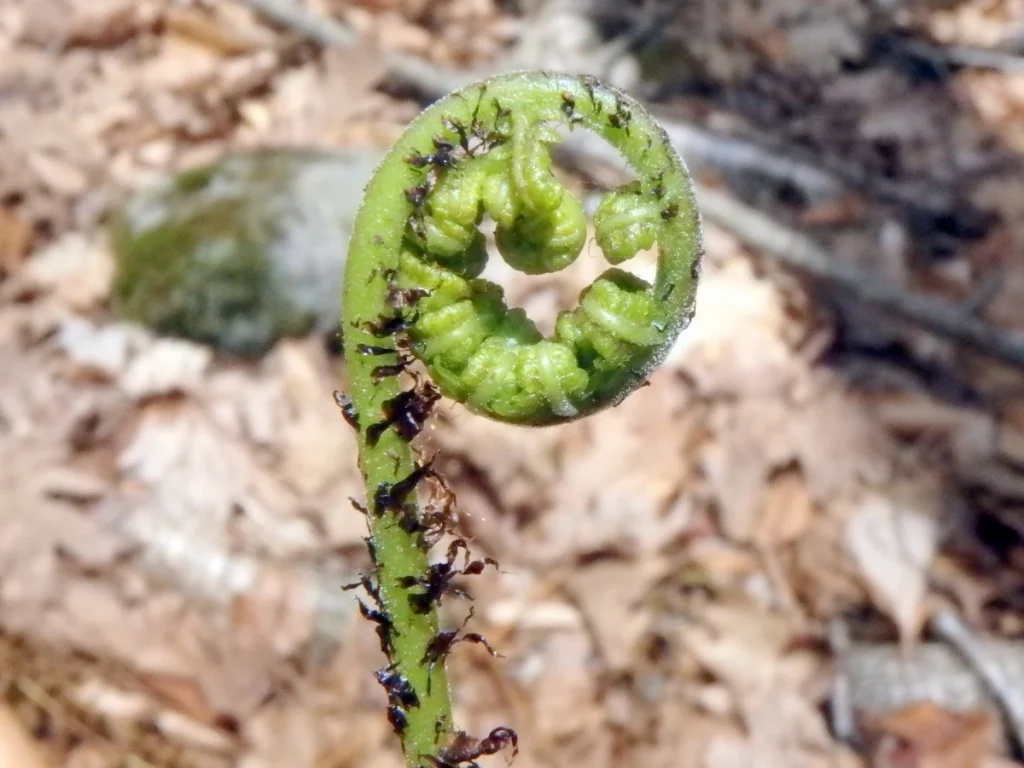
[242,252]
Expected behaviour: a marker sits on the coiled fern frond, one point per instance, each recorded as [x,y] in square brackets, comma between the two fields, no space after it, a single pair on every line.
[413,289]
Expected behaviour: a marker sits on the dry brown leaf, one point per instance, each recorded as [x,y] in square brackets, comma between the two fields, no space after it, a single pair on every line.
[45,22]
[218,668]
[86,22]
[93,617]
[980,24]
[36,530]
[57,174]
[610,596]
[176,452]
[526,614]
[315,443]
[758,436]
[71,484]
[208,31]
[240,667]
[183,730]
[987,449]
[351,738]
[748,651]
[731,751]
[894,542]
[17,748]
[281,607]
[821,571]
[246,406]
[179,555]
[787,513]
[183,693]
[164,367]
[743,647]
[102,350]
[87,756]
[15,238]
[722,562]
[736,342]
[998,97]
[840,446]
[283,735]
[205,485]
[343,526]
[639,507]
[925,736]
[299,114]
[178,66]
[393,32]
[751,440]
[79,271]
[564,687]
[670,746]
[117,704]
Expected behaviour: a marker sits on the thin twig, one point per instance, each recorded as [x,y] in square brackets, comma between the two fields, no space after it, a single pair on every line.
[704,148]
[799,252]
[318,29]
[948,626]
[987,289]
[844,725]
[965,56]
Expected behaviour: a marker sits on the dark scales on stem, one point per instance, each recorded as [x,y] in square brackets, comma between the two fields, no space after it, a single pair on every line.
[382,372]
[439,514]
[383,327]
[621,117]
[398,720]
[445,155]
[348,411]
[370,349]
[407,412]
[463,749]
[367,584]
[385,629]
[442,643]
[404,298]
[398,689]
[392,496]
[438,580]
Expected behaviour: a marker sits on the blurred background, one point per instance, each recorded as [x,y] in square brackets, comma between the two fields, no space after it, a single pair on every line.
[802,546]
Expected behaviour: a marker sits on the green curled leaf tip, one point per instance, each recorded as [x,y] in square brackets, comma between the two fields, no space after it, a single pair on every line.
[485,150]
[413,287]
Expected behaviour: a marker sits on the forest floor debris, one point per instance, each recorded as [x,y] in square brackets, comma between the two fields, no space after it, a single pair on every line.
[175,525]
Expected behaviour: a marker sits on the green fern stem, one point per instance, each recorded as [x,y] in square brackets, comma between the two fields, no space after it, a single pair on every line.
[412,282]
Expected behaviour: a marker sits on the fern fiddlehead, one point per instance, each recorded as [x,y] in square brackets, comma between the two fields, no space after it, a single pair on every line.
[413,289]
